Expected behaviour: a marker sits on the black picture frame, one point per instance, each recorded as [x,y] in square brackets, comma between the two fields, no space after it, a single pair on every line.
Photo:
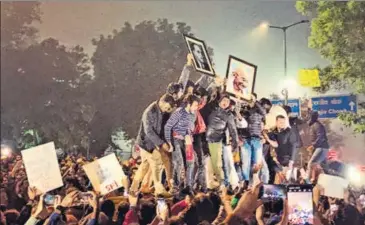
[252,81]
[208,63]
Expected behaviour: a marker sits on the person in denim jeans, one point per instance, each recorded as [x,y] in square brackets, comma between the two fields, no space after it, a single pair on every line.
[251,155]
[180,125]
[251,151]
[319,143]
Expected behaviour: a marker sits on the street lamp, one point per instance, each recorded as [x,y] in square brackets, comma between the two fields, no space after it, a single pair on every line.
[284,29]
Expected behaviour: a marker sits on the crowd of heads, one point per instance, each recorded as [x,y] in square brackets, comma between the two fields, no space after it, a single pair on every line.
[215,200]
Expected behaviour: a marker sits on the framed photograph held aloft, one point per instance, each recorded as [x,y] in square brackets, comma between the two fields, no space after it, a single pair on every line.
[240,78]
[199,51]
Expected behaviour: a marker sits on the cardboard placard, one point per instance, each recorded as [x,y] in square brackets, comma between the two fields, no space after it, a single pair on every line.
[41,166]
[105,174]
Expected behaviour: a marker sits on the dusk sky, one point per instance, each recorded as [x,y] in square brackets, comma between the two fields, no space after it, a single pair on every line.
[230,27]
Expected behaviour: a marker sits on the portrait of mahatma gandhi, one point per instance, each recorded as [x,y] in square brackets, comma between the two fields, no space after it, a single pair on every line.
[199,51]
[240,78]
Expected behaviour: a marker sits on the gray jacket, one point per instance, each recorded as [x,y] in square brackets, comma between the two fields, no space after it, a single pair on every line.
[150,134]
[218,121]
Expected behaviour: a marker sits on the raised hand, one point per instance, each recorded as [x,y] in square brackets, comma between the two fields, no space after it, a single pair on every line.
[249,202]
[69,199]
[41,211]
[189,59]
[33,192]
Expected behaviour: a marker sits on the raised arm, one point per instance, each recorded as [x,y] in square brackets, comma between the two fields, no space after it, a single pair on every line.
[204,81]
[185,73]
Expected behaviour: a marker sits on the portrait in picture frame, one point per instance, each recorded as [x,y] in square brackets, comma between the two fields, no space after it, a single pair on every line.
[201,58]
[240,78]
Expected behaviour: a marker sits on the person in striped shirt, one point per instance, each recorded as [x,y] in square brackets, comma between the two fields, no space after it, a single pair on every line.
[178,129]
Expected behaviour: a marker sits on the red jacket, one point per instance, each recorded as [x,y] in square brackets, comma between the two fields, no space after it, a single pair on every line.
[200,126]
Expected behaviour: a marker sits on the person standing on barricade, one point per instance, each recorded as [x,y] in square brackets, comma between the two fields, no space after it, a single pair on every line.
[178,129]
[151,143]
[219,120]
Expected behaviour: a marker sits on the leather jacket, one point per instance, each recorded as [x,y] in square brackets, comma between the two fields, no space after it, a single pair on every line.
[218,121]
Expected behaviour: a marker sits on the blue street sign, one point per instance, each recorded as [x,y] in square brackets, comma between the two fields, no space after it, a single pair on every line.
[293,103]
[331,106]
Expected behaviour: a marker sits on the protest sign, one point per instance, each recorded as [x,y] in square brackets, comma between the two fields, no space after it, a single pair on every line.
[333,186]
[105,174]
[309,78]
[42,167]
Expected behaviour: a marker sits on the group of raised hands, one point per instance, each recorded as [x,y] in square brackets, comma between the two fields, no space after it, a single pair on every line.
[71,199]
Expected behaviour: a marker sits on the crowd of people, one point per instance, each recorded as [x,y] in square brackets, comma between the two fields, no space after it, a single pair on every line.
[203,160]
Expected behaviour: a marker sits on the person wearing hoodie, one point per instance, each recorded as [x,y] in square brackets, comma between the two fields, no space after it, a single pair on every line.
[319,142]
[219,120]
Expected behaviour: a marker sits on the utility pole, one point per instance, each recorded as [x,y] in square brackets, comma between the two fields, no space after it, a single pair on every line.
[284,29]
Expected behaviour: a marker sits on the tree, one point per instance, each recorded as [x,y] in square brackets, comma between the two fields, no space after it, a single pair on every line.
[17,20]
[120,139]
[337,32]
[132,68]
[43,88]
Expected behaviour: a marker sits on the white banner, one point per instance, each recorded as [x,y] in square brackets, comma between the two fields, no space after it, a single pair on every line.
[42,167]
[105,174]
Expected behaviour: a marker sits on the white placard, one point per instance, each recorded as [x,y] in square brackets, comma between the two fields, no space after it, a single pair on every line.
[333,186]
[42,167]
[105,174]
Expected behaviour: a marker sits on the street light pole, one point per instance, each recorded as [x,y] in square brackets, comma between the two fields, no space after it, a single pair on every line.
[284,29]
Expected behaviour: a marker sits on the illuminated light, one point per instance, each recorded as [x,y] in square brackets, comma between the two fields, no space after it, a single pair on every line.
[5,151]
[264,25]
[288,84]
[260,31]
[354,175]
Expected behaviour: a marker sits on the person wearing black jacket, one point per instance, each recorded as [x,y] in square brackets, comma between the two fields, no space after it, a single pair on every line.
[319,142]
[151,142]
[294,122]
[286,140]
[219,120]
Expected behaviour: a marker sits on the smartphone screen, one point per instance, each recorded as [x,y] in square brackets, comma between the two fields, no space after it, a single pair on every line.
[271,192]
[300,202]
[49,199]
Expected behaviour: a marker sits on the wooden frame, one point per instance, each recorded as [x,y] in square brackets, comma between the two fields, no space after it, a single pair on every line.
[247,68]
